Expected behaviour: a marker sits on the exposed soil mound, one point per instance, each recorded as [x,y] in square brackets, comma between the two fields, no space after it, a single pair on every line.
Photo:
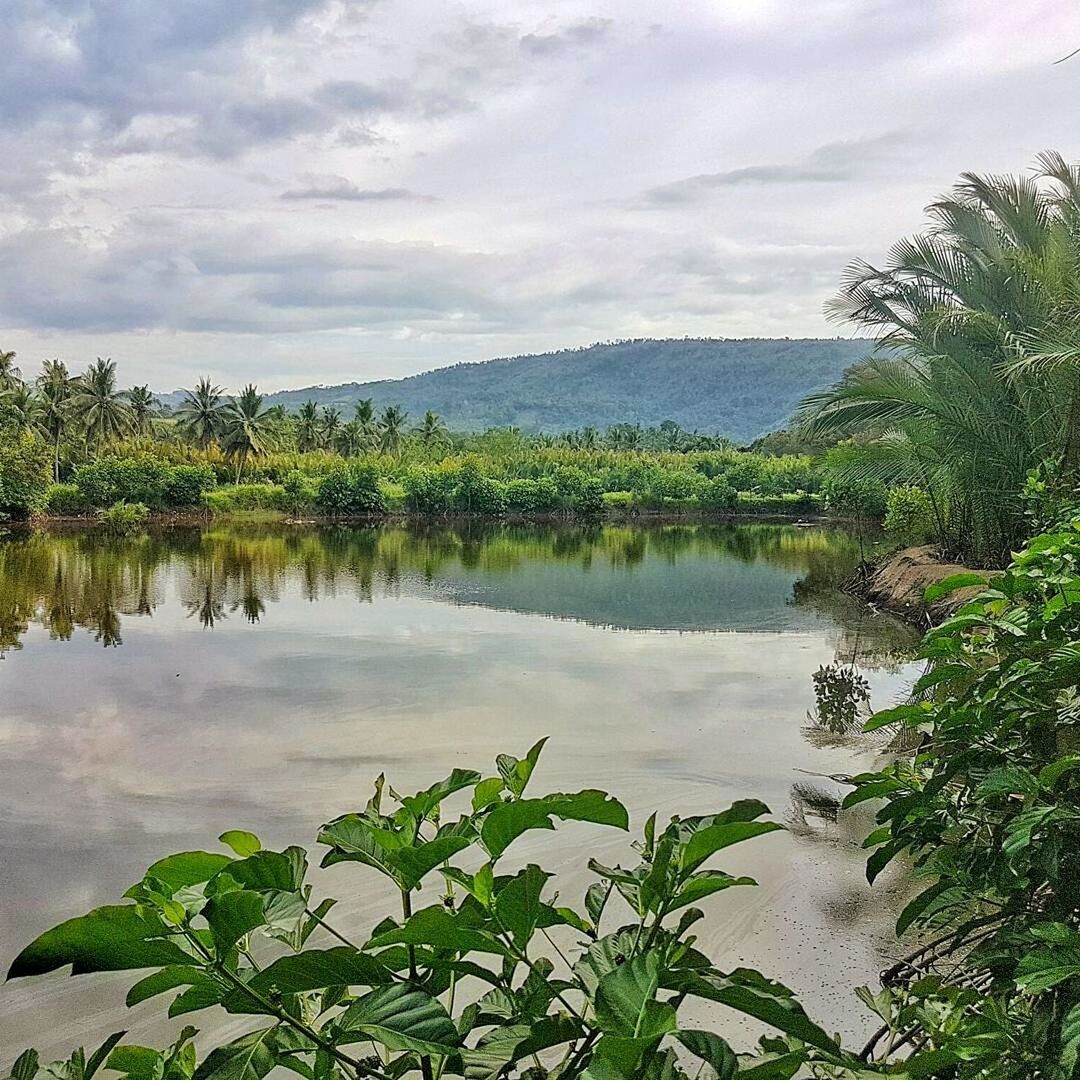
[900,582]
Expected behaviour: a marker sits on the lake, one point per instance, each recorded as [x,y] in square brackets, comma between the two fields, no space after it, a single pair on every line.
[160,689]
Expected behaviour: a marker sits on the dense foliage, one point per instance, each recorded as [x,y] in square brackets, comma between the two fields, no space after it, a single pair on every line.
[741,389]
[975,381]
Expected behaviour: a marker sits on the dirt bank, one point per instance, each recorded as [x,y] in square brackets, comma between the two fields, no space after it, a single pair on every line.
[899,583]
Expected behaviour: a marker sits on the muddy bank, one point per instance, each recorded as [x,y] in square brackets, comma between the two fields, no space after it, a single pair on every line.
[898,584]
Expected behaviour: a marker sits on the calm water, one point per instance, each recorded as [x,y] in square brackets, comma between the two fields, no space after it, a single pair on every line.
[159,690]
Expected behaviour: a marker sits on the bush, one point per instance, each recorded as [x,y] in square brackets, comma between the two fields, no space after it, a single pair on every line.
[393,494]
[298,491]
[185,484]
[350,489]
[532,496]
[430,490]
[858,499]
[64,500]
[233,498]
[719,497]
[124,517]
[620,501]
[143,478]
[909,516]
[589,498]
[25,472]
[479,494]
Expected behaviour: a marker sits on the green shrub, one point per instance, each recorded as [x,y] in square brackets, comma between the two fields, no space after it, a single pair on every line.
[589,497]
[184,485]
[479,494]
[25,472]
[65,500]
[539,496]
[298,491]
[143,478]
[233,498]
[909,516]
[851,498]
[394,494]
[718,497]
[620,501]
[350,489]
[430,490]
[124,517]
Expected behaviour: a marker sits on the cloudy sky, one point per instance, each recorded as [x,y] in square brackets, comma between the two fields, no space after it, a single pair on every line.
[299,191]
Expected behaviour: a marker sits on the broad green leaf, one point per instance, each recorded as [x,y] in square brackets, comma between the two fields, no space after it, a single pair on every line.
[1052,773]
[508,821]
[232,915]
[616,1058]
[947,586]
[907,715]
[713,1050]
[319,968]
[705,883]
[478,885]
[596,898]
[516,774]
[168,978]
[487,792]
[401,1018]
[137,1062]
[423,803]
[750,993]
[626,1004]
[243,843]
[101,1054]
[932,901]
[1009,780]
[605,955]
[772,1066]
[412,864]
[280,871]
[183,870]
[250,1057]
[517,903]
[121,937]
[1070,1039]
[1044,968]
[505,1045]
[706,842]
[437,927]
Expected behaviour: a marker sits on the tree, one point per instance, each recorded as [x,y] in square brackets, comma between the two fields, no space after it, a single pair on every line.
[21,408]
[102,410]
[56,389]
[307,427]
[392,428]
[331,425]
[201,415]
[365,417]
[975,380]
[9,373]
[351,440]
[432,431]
[144,407]
[245,428]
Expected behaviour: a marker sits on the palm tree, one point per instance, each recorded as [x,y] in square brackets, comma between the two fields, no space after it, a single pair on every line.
[432,431]
[55,387]
[392,428]
[307,427]
[245,428]
[331,425]
[102,410]
[201,414]
[975,379]
[9,373]
[351,440]
[22,408]
[144,407]
[365,417]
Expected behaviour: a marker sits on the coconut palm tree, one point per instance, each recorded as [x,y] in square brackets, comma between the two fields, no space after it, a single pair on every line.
[245,428]
[431,431]
[307,427]
[330,426]
[975,379]
[99,406]
[55,388]
[144,407]
[351,440]
[392,428]
[9,373]
[201,414]
[365,417]
[22,408]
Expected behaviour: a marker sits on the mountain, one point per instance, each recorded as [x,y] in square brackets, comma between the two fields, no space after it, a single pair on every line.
[739,388]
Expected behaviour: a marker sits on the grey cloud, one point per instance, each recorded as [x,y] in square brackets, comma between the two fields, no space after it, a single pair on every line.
[340,188]
[586,32]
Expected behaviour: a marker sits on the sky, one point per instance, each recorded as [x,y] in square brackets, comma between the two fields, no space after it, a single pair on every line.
[316,191]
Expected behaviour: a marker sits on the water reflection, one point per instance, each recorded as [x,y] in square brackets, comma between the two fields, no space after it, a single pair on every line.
[750,577]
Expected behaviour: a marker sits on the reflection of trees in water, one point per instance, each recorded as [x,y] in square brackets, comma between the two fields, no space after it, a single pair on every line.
[85,579]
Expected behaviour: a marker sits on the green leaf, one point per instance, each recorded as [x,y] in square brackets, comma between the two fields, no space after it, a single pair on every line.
[99,1056]
[243,843]
[947,586]
[319,968]
[137,1062]
[437,927]
[182,871]
[1070,1039]
[932,901]
[232,915]
[517,903]
[487,792]
[412,864]
[626,1004]
[751,993]
[1050,774]
[616,1058]
[706,842]
[516,774]
[1044,968]
[506,1045]
[423,803]
[250,1057]
[1009,780]
[122,937]
[705,883]
[26,1066]
[907,715]
[713,1050]
[400,1018]
[508,821]
[279,871]
[168,978]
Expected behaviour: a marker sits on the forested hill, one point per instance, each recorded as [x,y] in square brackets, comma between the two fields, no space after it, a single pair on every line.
[741,388]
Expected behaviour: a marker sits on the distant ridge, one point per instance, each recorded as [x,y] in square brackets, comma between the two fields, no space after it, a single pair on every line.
[741,388]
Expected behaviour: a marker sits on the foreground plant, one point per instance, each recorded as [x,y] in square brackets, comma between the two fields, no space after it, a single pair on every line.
[494,978]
